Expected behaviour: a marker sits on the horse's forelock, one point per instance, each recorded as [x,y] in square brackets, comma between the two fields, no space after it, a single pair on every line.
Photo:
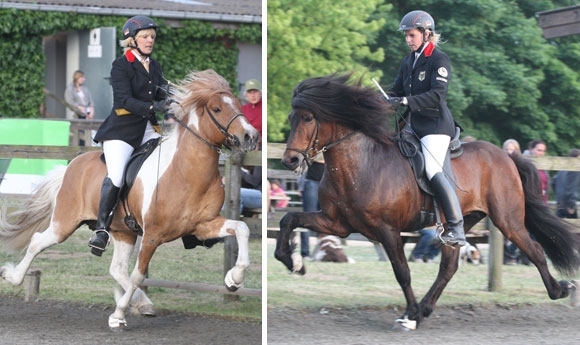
[336,98]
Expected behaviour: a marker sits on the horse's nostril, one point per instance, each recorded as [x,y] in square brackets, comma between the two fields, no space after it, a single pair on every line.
[290,162]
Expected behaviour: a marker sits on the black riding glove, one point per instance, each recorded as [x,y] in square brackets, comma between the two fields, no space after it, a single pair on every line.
[162,106]
[396,102]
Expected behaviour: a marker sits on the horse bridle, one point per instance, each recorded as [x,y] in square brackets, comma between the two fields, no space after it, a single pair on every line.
[313,145]
[224,130]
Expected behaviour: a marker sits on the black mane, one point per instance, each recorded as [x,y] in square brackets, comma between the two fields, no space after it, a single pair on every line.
[334,98]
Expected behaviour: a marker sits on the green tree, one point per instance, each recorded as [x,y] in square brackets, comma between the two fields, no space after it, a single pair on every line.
[508,81]
[316,37]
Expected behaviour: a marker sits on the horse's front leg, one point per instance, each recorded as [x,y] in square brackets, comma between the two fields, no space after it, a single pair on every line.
[315,221]
[222,227]
[393,244]
[124,245]
[234,278]
[119,264]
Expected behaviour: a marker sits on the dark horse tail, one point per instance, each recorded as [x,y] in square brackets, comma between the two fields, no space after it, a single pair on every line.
[559,238]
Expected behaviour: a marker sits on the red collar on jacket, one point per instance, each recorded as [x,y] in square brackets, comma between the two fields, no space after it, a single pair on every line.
[130,56]
[429,49]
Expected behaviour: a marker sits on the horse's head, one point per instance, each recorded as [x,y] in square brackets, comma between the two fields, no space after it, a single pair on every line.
[207,108]
[328,110]
[303,142]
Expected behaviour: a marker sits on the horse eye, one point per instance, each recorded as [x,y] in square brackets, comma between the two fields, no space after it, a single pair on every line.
[308,117]
[216,110]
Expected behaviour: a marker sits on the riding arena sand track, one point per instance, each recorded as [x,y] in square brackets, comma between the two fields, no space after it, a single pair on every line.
[61,323]
[550,323]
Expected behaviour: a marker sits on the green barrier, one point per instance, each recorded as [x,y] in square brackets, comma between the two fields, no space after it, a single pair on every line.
[34,132]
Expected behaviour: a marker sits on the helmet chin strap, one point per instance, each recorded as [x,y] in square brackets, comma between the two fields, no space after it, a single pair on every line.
[136,46]
[425,40]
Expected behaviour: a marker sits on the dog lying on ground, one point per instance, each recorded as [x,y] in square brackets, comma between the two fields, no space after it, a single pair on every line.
[469,254]
[329,249]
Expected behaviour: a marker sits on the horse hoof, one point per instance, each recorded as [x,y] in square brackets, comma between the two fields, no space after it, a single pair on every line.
[567,287]
[147,310]
[298,264]
[230,284]
[404,325]
[117,325]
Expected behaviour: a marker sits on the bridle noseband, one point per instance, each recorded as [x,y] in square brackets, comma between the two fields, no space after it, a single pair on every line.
[224,130]
[313,145]
[230,138]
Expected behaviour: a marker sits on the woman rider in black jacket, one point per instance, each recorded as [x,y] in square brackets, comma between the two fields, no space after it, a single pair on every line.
[138,92]
[421,84]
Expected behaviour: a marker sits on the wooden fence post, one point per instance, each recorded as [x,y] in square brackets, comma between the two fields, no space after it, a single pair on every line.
[495,257]
[32,284]
[233,173]
[575,294]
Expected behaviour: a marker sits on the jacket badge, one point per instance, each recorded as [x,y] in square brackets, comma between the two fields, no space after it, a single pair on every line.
[421,75]
[442,72]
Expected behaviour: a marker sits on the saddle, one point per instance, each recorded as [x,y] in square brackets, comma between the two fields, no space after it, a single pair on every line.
[410,147]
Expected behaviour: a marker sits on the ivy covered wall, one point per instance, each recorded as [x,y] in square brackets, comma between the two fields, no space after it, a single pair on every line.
[196,45]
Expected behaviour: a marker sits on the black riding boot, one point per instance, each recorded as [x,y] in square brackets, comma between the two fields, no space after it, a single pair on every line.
[100,238]
[445,193]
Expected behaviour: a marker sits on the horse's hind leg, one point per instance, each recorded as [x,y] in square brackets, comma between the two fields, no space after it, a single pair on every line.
[39,242]
[447,268]
[535,253]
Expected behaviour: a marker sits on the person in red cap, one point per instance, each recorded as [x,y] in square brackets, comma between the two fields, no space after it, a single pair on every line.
[253,109]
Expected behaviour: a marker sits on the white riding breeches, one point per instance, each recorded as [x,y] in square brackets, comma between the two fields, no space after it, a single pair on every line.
[118,153]
[434,149]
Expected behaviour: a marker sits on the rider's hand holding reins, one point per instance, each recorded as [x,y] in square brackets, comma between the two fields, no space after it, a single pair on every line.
[162,106]
[396,102]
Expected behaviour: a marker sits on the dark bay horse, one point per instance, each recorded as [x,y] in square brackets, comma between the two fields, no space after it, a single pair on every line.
[178,191]
[369,187]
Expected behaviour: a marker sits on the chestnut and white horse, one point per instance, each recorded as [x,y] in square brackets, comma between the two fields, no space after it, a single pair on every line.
[178,191]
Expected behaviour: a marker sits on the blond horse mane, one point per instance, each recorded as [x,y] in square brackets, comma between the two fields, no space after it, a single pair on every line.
[196,89]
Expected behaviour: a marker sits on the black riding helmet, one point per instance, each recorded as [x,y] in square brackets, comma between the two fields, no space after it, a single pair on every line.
[134,24]
[417,20]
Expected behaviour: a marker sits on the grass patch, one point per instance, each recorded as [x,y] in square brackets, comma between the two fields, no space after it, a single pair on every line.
[71,273]
[370,283]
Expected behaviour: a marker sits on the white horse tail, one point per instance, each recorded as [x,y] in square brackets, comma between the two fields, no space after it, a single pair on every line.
[17,228]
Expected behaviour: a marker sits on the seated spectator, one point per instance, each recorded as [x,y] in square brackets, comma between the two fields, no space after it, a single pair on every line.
[251,189]
[565,184]
[278,191]
[427,248]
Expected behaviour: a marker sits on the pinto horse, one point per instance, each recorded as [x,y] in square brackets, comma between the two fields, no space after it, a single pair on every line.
[177,192]
[369,187]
